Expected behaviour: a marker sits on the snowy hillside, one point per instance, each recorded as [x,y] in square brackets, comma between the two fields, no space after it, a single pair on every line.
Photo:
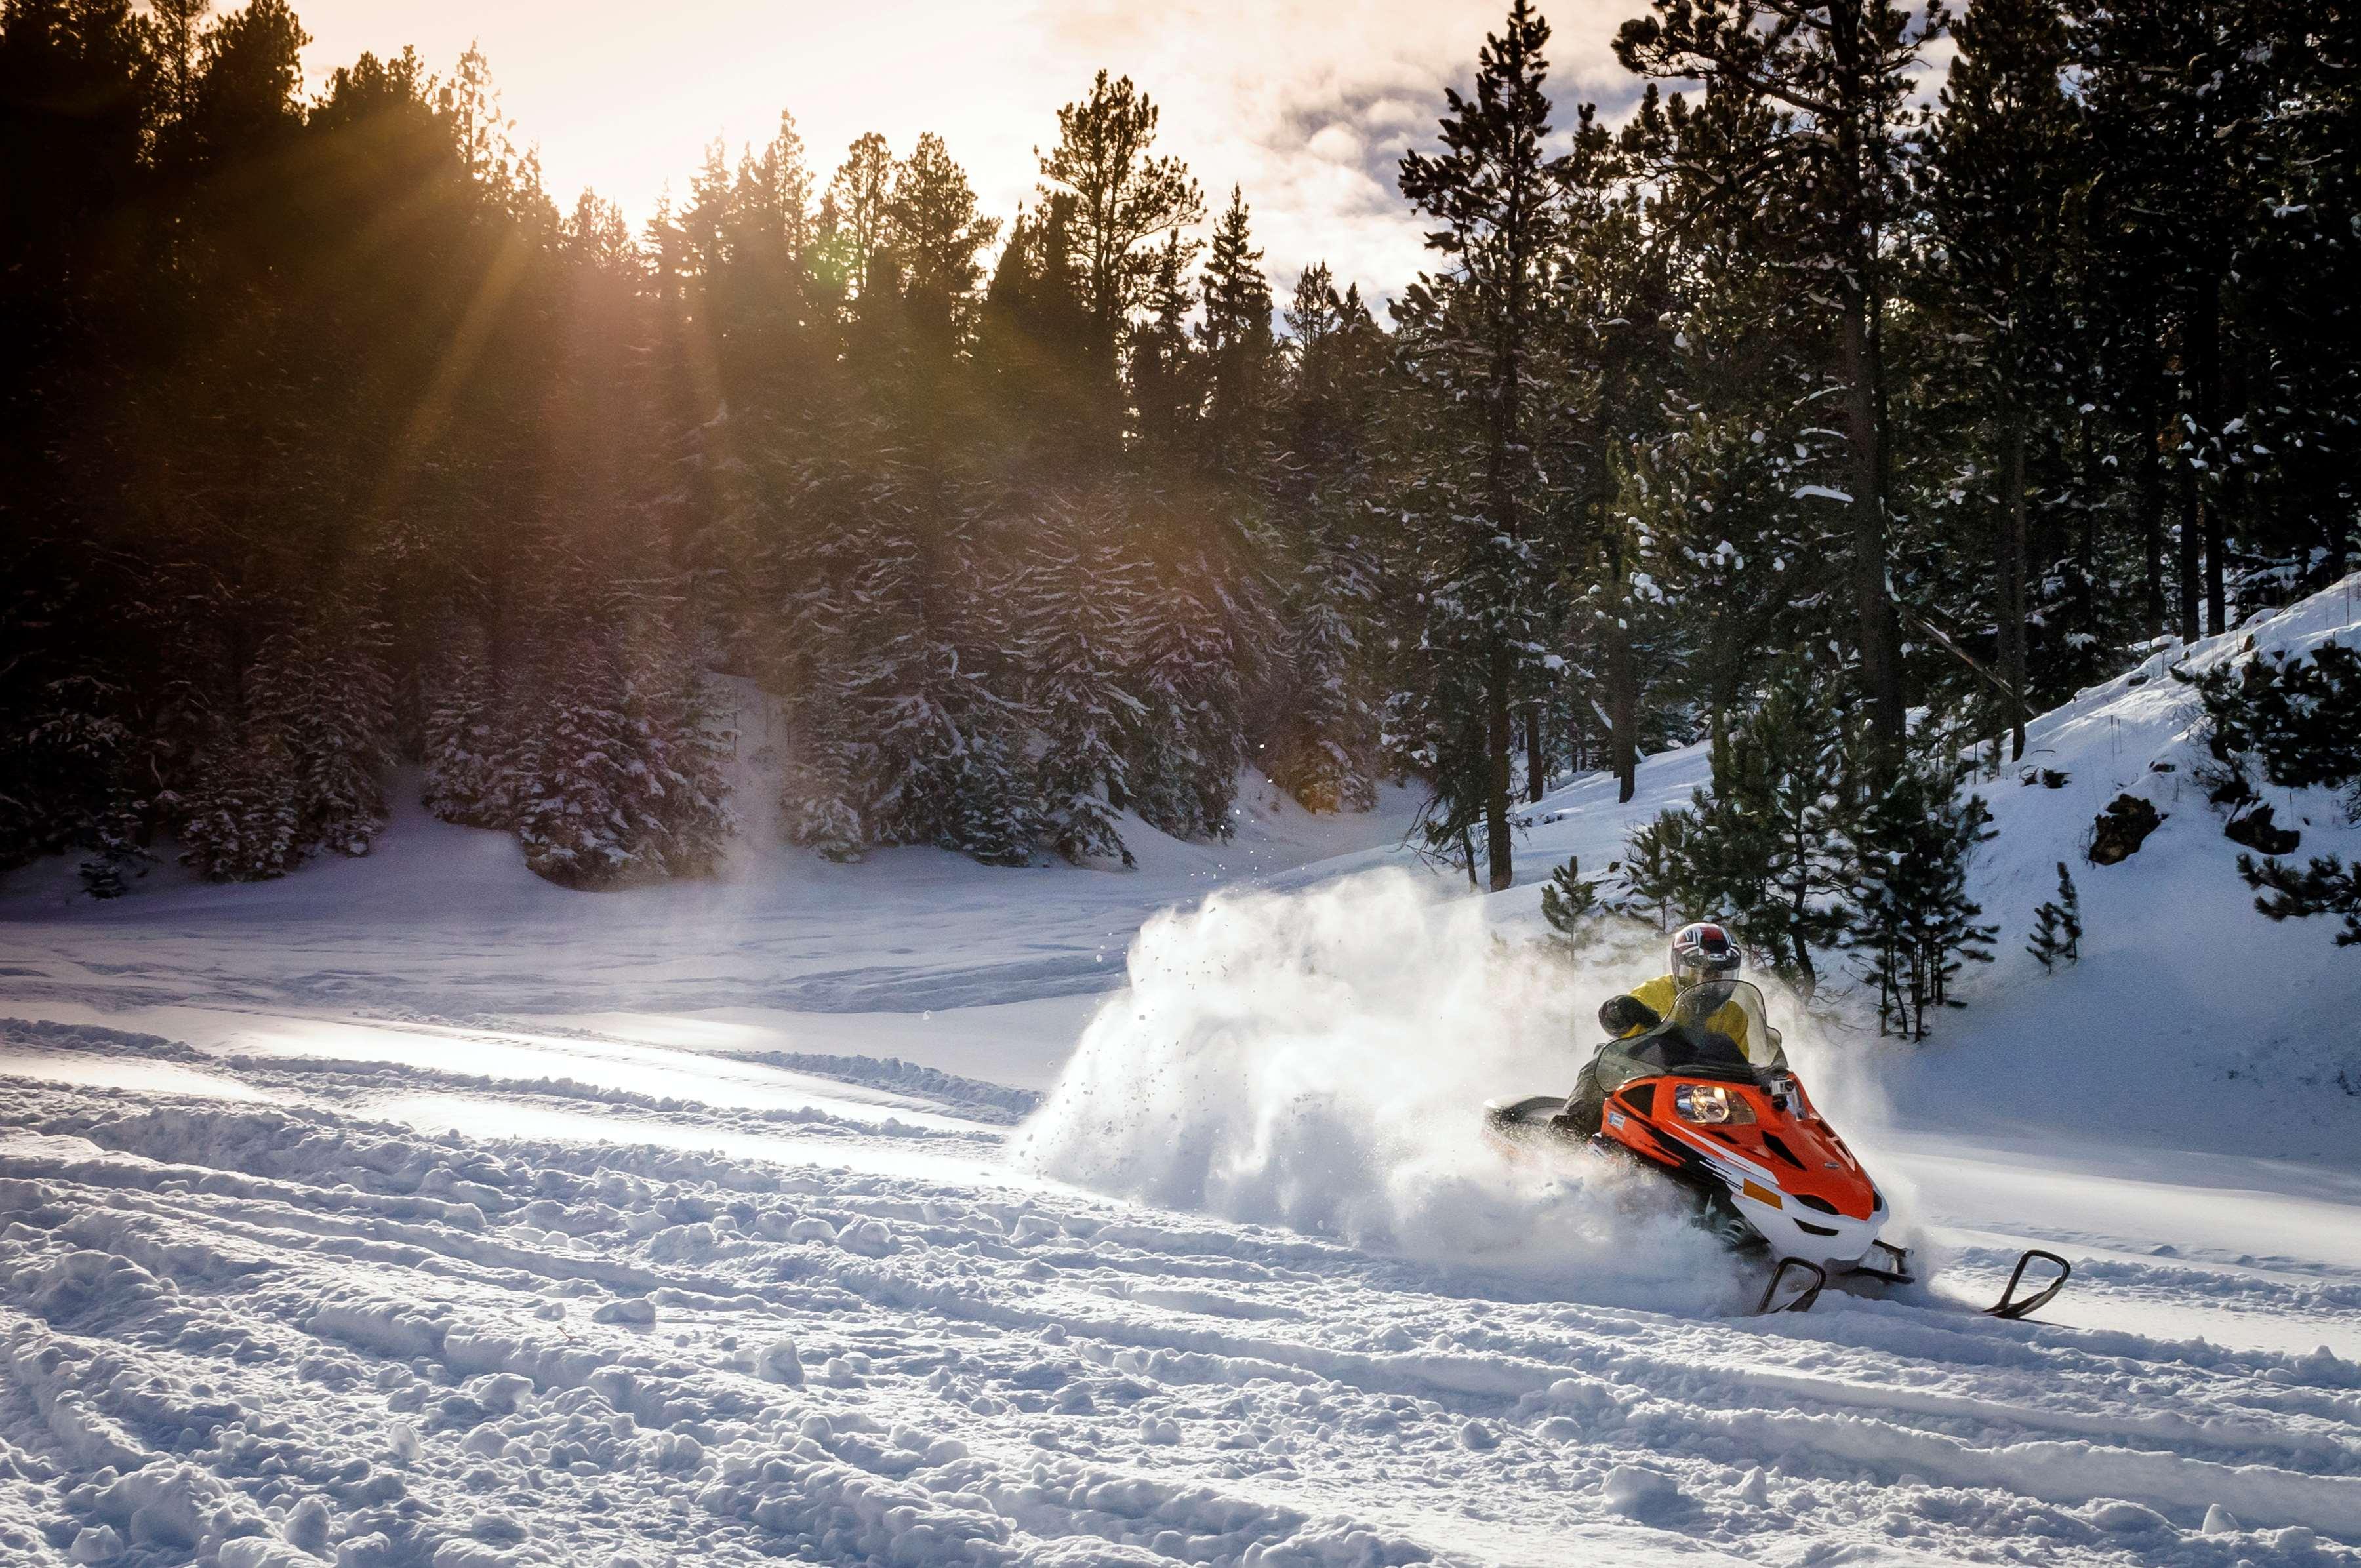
[2191,1023]
[413,1213]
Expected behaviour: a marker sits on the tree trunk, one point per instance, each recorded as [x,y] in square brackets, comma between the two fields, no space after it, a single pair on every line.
[1881,630]
[1508,384]
[1623,713]
[1807,980]
[1722,661]
[2217,602]
[2185,549]
[1496,746]
[2151,519]
[1622,687]
[2086,554]
[2208,325]
[1536,753]
[2012,592]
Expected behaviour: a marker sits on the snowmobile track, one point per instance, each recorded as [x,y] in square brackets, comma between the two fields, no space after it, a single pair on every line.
[294,1326]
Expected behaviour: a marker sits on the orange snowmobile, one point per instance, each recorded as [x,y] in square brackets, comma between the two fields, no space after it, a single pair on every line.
[1742,1135]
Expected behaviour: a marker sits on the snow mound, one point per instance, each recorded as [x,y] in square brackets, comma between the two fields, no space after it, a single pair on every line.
[1318,1060]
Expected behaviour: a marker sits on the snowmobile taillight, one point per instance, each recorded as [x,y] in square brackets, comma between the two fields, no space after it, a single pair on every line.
[1709,1103]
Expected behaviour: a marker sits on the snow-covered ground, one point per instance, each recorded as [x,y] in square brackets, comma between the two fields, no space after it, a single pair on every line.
[413,1212]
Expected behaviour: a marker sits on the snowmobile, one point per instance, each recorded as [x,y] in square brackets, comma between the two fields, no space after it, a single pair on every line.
[1740,1133]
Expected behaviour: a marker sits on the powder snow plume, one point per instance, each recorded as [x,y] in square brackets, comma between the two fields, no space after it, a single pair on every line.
[1319,1060]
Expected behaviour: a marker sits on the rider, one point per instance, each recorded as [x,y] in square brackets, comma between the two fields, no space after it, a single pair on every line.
[1703,955]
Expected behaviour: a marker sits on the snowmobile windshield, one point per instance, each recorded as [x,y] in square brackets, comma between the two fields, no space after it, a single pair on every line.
[1717,1029]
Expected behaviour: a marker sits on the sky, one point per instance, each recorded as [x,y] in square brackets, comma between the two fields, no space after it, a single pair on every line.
[1305,103]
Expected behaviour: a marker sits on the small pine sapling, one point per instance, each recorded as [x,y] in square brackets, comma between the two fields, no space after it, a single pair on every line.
[1659,864]
[1570,904]
[1912,922]
[2058,925]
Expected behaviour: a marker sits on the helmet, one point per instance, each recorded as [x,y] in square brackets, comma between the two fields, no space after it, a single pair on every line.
[1703,952]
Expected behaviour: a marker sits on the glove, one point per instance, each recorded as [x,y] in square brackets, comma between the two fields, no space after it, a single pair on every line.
[1619,1016]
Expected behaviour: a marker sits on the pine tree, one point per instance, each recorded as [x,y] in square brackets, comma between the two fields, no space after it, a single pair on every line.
[1472,333]
[1327,504]
[1164,382]
[1119,196]
[1731,851]
[326,692]
[1324,756]
[117,840]
[998,816]
[301,766]
[2178,96]
[1626,334]
[685,743]
[1236,340]
[1757,850]
[861,196]
[625,783]
[242,823]
[1833,155]
[1081,616]
[935,231]
[1570,904]
[2058,925]
[1659,868]
[819,799]
[1798,801]
[863,670]
[573,820]
[2293,716]
[2004,165]
[178,38]
[1187,741]
[1911,924]
[65,766]
[470,776]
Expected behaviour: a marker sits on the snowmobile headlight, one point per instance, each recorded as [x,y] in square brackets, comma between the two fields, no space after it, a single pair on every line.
[1709,1102]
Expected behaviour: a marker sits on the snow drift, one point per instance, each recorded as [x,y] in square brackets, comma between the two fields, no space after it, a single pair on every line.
[1317,1060]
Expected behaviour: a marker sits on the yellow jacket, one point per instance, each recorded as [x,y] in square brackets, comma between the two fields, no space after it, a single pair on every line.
[1661,994]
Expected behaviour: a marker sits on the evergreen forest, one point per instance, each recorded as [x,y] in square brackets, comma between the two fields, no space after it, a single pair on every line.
[1872,380]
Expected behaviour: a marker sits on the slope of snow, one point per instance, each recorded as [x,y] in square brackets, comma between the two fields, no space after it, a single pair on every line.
[2192,1022]
[412,1213]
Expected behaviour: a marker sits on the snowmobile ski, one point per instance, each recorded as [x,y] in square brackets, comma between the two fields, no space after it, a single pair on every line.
[2009,1307]
[1885,1262]
[1809,1280]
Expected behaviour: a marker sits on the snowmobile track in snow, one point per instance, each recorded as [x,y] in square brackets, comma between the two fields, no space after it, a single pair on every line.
[268,1335]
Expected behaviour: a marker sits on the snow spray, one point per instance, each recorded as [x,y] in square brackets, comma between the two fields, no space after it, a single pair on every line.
[1320,1061]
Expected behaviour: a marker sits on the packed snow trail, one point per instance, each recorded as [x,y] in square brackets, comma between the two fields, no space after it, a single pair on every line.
[286,1328]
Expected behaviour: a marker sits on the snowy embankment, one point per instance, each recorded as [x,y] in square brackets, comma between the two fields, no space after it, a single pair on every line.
[413,1213]
[2191,1023]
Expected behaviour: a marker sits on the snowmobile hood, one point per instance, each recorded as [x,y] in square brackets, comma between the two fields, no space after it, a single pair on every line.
[1767,1142]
